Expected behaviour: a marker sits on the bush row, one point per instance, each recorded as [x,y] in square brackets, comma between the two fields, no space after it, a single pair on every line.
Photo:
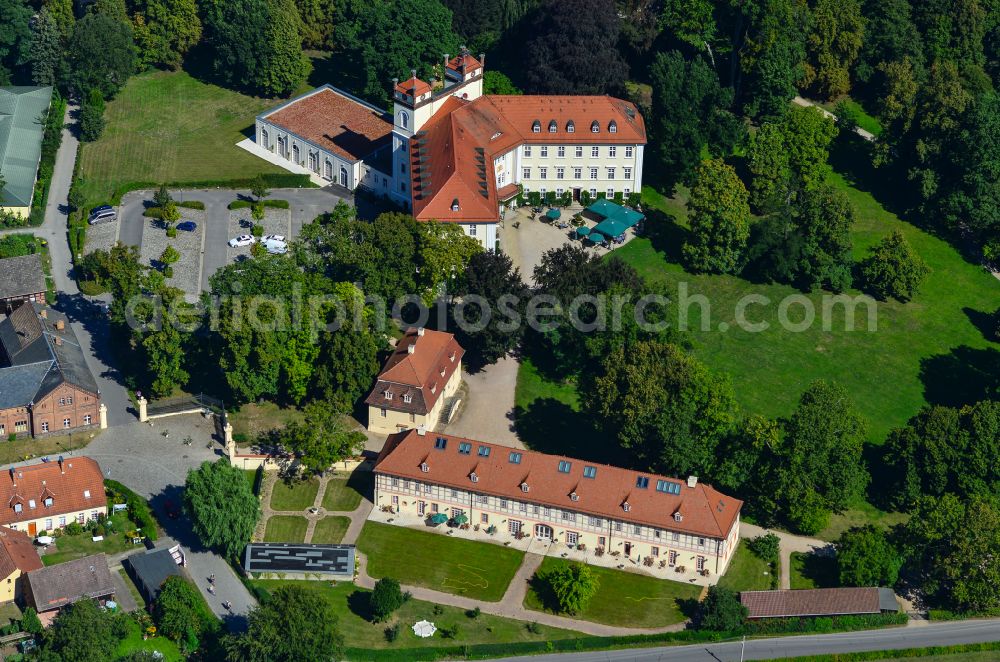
[138,508]
[946,615]
[822,625]
[271,180]
[244,204]
[51,139]
[901,653]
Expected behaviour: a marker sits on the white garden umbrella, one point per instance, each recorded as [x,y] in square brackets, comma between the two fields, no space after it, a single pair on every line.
[424,629]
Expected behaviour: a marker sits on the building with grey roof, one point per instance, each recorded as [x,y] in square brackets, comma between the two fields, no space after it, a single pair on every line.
[21,143]
[45,383]
[21,279]
[56,586]
[299,561]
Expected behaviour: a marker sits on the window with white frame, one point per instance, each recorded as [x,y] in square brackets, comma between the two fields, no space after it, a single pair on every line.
[572,537]
[561,151]
[613,151]
[593,193]
[45,426]
[579,151]
[595,151]
[527,150]
[593,173]
[543,173]
[611,193]
[559,192]
[577,173]
[560,173]
[526,173]
[628,173]
[66,423]
[626,192]
[544,151]
[87,419]
[611,173]
[628,151]
[541,191]
[514,526]
[472,229]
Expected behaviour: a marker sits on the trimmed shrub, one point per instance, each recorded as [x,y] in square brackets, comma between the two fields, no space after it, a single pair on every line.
[247,204]
[192,204]
[138,509]
[152,212]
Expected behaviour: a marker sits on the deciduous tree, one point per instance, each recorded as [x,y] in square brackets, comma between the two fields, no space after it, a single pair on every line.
[295,624]
[165,30]
[84,632]
[92,120]
[48,50]
[15,36]
[177,610]
[493,295]
[385,598]
[222,507]
[769,51]
[102,54]
[866,557]
[893,269]
[324,438]
[496,82]
[833,43]
[719,217]
[573,585]
[721,610]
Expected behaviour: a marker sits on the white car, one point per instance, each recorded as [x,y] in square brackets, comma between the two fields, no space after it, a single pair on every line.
[274,237]
[242,240]
[275,247]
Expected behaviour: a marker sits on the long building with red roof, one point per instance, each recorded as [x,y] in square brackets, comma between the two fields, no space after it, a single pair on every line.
[451,154]
[636,516]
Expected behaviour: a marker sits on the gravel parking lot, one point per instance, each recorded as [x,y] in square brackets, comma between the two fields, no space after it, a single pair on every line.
[187,276]
[276,221]
[101,236]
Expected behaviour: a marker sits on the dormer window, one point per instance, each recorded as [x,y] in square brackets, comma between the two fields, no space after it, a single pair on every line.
[434,388]
[442,371]
[678,517]
[48,502]
[595,127]
[17,507]
[465,448]
[574,496]
[626,506]
[524,487]
[407,397]
[454,205]
[451,357]
[31,504]
[553,127]
[424,468]
[570,127]
[474,476]
[536,127]
[613,127]
[86,494]
[388,394]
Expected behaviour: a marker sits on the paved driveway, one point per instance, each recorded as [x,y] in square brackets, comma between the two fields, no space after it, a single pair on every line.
[487,411]
[304,204]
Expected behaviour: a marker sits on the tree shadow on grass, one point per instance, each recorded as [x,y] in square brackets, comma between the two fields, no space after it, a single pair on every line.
[665,234]
[362,482]
[987,322]
[688,607]
[550,426]
[821,569]
[360,604]
[541,587]
[963,376]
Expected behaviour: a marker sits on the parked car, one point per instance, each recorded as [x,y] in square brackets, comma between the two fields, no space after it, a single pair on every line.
[242,240]
[101,214]
[275,247]
[187,226]
[274,237]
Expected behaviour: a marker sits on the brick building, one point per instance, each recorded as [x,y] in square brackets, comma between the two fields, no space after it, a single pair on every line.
[21,279]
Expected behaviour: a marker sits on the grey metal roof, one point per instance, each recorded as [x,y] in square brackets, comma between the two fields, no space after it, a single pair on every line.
[887,600]
[62,584]
[19,384]
[21,141]
[150,568]
[22,275]
[299,557]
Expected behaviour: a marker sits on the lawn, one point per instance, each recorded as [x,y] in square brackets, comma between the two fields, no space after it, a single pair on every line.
[294,495]
[932,347]
[330,530]
[865,121]
[474,569]
[626,599]
[810,570]
[749,572]
[134,642]
[27,448]
[344,494]
[253,420]
[69,547]
[350,604]
[286,528]
[170,127]
[859,515]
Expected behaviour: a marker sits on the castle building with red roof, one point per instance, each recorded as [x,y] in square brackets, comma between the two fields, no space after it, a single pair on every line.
[674,526]
[451,154]
[416,383]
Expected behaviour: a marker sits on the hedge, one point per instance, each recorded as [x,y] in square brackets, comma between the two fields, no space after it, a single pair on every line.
[138,508]
[947,615]
[192,204]
[271,180]
[51,140]
[245,204]
[823,625]
[900,653]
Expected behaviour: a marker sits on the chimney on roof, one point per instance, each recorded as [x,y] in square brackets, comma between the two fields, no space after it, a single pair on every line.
[421,430]
[447,57]
[58,341]
[44,314]
[411,348]
[12,480]
[413,73]
[482,59]
[60,325]
[420,331]
[62,469]
[692,481]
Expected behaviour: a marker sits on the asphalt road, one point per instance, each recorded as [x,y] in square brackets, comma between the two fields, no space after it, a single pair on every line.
[305,205]
[920,635]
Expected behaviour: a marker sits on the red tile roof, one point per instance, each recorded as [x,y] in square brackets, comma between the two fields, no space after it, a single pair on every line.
[464,63]
[452,155]
[68,484]
[704,510]
[17,552]
[413,87]
[810,602]
[335,122]
[434,353]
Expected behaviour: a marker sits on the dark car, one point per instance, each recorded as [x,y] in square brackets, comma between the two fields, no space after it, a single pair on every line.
[187,226]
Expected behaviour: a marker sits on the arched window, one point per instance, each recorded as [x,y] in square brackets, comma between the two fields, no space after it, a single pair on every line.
[595,127]
[404,119]
[295,154]
[454,205]
[536,127]
[328,169]
[613,126]
[264,139]
[570,127]
[553,127]
[343,176]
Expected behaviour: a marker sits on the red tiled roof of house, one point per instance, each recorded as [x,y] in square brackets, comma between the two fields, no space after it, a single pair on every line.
[413,86]
[75,484]
[704,510]
[810,602]
[464,63]
[17,552]
[452,155]
[335,122]
[435,357]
